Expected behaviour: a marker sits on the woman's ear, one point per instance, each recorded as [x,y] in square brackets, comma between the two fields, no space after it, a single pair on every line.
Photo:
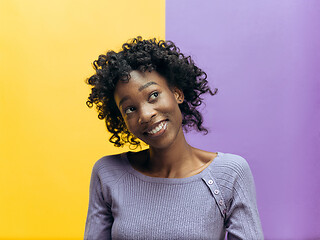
[178,94]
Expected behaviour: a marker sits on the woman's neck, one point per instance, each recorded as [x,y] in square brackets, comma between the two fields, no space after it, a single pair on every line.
[179,160]
[176,161]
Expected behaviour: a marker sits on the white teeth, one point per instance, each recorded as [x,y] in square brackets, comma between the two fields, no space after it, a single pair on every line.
[157,128]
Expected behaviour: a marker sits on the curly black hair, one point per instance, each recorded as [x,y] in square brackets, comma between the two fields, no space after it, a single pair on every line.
[146,55]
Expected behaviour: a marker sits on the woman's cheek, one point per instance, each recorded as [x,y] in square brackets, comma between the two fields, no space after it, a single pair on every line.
[131,124]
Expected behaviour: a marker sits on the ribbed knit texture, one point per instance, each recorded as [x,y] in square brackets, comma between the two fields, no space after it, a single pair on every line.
[125,204]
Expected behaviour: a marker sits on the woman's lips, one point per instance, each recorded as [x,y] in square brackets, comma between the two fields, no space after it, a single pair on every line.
[158,130]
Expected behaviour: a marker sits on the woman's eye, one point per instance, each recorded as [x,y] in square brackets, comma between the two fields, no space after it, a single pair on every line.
[129,110]
[154,96]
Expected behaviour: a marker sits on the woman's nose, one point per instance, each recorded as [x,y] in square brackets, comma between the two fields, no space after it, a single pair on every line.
[147,112]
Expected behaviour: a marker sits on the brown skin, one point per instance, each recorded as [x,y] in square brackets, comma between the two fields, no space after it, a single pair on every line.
[145,102]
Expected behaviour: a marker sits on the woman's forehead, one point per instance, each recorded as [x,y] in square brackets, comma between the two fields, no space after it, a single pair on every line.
[141,80]
[147,76]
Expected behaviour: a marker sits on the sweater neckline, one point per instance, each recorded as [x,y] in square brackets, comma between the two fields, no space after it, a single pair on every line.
[141,176]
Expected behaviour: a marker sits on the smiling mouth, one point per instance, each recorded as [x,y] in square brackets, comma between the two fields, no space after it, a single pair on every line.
[158,130]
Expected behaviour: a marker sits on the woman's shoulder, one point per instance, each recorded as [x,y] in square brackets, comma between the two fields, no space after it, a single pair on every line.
[231,168]
[110,160]
[232,174]
[110,167]
[230,161]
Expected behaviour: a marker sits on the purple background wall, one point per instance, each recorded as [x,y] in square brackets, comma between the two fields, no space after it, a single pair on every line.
[264,56]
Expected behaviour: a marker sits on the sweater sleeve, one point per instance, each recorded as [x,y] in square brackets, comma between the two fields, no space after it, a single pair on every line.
[242,217]
[99,217]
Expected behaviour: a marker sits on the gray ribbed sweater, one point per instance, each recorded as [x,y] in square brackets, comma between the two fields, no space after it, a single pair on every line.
[126,204]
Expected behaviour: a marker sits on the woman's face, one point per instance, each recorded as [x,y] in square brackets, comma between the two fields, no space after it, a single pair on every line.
[150,108]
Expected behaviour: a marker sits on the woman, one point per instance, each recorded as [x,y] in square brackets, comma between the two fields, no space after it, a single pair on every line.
[149,91]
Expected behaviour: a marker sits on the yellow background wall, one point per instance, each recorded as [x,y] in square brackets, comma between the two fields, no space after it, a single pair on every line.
[49,139]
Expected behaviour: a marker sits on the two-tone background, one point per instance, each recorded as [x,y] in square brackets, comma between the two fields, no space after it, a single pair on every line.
[263,56]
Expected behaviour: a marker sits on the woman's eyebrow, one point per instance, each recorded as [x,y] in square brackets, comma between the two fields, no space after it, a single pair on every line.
[123,100]
[140,89]
[147,85]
